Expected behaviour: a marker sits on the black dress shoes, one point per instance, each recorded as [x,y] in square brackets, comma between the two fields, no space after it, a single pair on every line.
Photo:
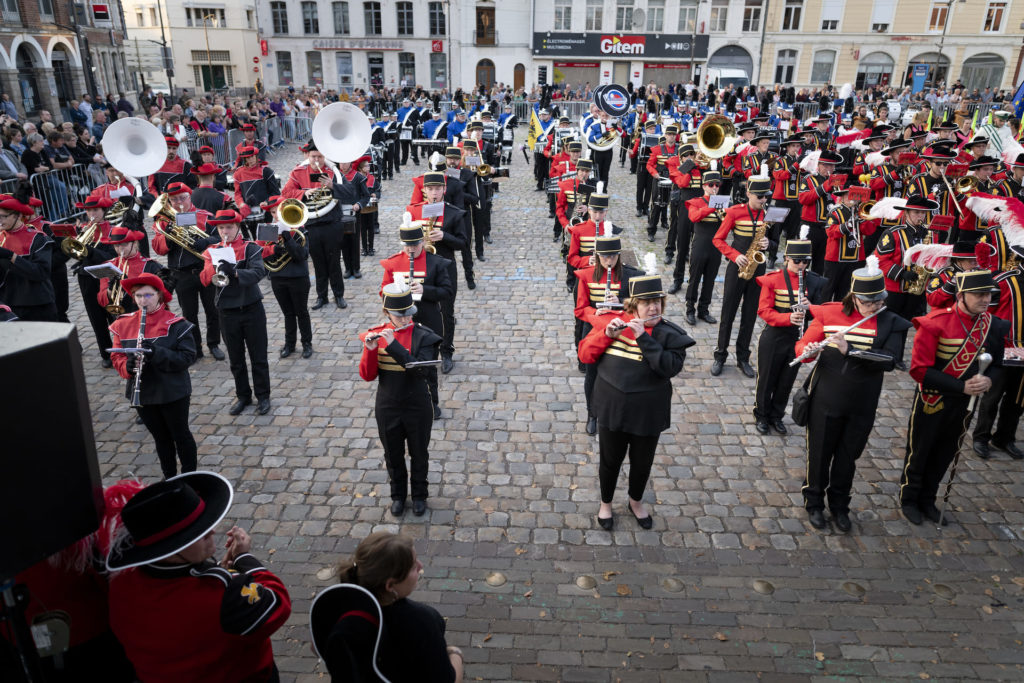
[487,239]
[817,519]
[745,368]
[842,520]
[419,507]
[287,351]
[471,284]
[358,275]
[581,366]
[437,412]
[644,522]
[1011,450]
[912,514]
[762,427]
[307,350]
[716,368]
[340,302]
[933,514]
[239,406]
[138,420]
[708,318]
[669,258]
[216,352]
[480,258]
[650,238]
[106,363]
[263,406]
[676,286]
[556,238]
[779,427]
[320,303]
[398,507]
[981,447]
[639,212]
[348,275]
[591,425]
[606,523]
[446,364]
[691,319]
[901,366]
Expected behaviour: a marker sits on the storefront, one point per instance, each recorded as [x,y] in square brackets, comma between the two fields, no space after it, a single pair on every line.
[576,73]
[664,75]
[874,70]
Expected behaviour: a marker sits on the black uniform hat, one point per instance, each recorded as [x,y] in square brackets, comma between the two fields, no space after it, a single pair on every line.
[761,134]
[798,249]
[829,157]
[607,245]
[433,178]
[398,300]
[984,160]
[979,281]
[453,152]
[349,614]
[794,139]
[919,202]
[917,134]
[744,127]
[585,163]
[711,177]
[1019,161]
[688,148]
[575,146]
[877,133]
[672,129]
[646,287]
[410,234]
[978,140]
[964,249]
[867,283]
[166,517]
[895,146]
[469,144]
[946,125]
[651,123]
[598,201]
[759,186]
[938,153]
[563,119]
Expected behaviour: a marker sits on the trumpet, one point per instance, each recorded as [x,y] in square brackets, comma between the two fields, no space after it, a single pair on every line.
[78,247]
[115,295]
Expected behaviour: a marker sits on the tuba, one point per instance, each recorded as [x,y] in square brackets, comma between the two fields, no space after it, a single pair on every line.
[342,133]
[716,137]
[293,214]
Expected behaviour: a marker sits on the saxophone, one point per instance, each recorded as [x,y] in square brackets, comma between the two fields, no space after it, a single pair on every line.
[755,256]
[918,286]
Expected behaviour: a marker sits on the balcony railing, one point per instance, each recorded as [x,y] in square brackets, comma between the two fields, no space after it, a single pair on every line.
[485,37]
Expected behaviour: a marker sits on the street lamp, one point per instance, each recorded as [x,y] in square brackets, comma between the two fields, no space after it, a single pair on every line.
[206,32]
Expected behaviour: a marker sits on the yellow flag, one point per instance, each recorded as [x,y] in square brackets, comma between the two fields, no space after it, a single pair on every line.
[531,138]
[974,122]
[929,126]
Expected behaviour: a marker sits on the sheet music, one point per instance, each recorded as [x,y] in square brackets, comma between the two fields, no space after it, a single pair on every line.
[433,210]
[776,214]
[220,255]
[102,270]
[719,201]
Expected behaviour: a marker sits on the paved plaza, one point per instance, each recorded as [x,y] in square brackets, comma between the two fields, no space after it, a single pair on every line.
[732,584]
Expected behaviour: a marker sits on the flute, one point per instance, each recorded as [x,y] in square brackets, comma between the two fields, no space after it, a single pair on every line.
[813,350]
[374,336]
[618,324]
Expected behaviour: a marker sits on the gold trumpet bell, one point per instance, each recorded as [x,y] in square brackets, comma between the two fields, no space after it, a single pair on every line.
[292,213]
[483,170]
[865,210]
[162,207]
[716,136]
[966,184]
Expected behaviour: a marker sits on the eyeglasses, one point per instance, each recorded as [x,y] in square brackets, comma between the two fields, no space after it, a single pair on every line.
[713,184]
[798,261]
[145,295]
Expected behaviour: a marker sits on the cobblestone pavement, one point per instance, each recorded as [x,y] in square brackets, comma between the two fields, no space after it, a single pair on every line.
[731,584]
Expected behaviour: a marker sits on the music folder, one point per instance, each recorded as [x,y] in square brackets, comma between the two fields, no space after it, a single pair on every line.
[776,214]
[220,255]
[719,201]
[267,232]
[433,210]
[185,218]
[104,270]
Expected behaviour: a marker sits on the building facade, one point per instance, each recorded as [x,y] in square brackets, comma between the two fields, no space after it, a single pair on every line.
[211,45]
[52,52]
[809,42]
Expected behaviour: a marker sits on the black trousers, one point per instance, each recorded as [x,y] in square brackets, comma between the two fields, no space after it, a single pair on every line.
[481,220]
[59,280]
[818,242]
[790,226]
[643,189]
[839,274]
[46,313]
[448,313]
[367,227]
[292,294]
[398,429]
[614,448]
[774,376]
[541,167]
[1002,400]
[737,291]
[390,160]
[704,262]
[350,246]
[932,443]
[90,287]
[406,146]
[245,329]
[467,251]
[189,291]
[168,423]
[602,166]
[325,251]
[834,443]
[672,240]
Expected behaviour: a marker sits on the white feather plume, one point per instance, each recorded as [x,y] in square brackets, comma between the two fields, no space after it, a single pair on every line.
[744,149]
[606,229]
[764,172]
[871,265]
[888,208]
[400,280]
[988,209]
[650,263]
[713,165]
[846,91]
[931,256]
[600,187]
[859,145]
[805,231]
[810,161]
[436,160]
[1011,151]
[874,159]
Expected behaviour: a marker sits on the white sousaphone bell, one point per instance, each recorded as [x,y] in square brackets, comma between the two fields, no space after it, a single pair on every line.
[135,147]
[341,132]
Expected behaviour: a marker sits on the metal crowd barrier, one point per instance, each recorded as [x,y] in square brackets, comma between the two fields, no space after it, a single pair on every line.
[60,189]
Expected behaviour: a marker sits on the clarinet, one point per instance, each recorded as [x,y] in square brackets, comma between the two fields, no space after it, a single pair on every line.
[139,362]
[800,294]
[412,268]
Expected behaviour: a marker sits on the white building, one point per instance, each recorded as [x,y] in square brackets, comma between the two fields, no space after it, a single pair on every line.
[213,44]
[342,44]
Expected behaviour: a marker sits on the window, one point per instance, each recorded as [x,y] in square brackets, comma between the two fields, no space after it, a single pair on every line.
[153,20]
[211,78]
[212,17]
[11,12]
[279,13]
[831,14]
[46,9]
[315,67]
[879,28]
[371,18]
[407,67]
[438,70]
[687,17]
[404,18]
[655,16]
[937,19]
[821,68]
[882,15]
[784,66]
[284,66]
[623,15]
[595,15]
[211,56]
[752,15]
[343,60]
[791,15]
[249,19]
[486,31]
[994,16]
[310,19]
[139,19]
[437,23]
[341,25]
[719,14]
[563,15]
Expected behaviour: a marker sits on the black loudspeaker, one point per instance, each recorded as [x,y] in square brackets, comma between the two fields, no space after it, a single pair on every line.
[51,494]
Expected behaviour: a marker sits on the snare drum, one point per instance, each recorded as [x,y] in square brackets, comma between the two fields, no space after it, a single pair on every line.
[663,192]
